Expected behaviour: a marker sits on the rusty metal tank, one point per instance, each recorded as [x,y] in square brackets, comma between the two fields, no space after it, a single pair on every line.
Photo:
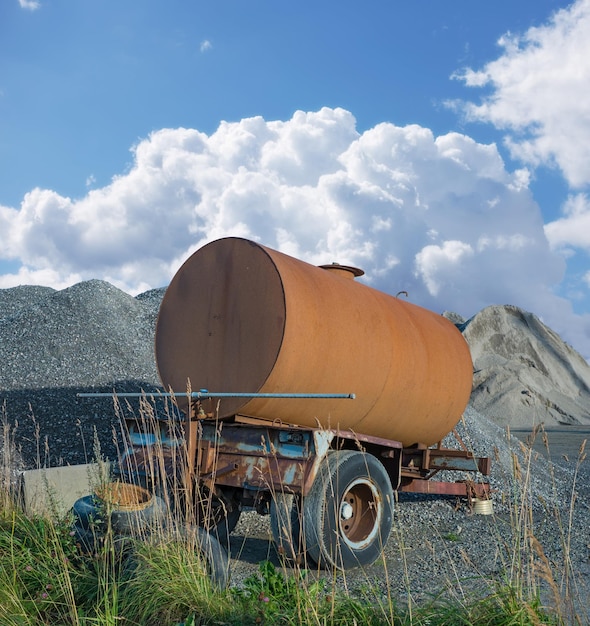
[241,317]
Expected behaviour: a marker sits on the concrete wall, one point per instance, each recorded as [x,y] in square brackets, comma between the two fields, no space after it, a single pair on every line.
[55,489]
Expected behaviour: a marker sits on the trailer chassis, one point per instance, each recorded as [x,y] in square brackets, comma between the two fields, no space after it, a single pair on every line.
[330,493]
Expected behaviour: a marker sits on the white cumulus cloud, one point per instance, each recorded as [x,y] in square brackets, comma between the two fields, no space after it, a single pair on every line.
[441,264]
[439,217]
[573,228]
[539,93]
[30,5]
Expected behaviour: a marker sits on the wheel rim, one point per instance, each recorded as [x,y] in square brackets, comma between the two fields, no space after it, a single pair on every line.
[360,514]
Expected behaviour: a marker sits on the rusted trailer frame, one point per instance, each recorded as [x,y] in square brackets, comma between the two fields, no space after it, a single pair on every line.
[261,458]
[420,465]
[334,486]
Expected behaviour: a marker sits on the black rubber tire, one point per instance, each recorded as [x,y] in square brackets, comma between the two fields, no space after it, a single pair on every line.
[209,549]
[225,527]
[285,525]
[216,517]
[88,511]
[91,541]
[348,512]
[87,540]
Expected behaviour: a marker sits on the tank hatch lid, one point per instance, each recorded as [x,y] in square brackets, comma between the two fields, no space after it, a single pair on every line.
[347,271]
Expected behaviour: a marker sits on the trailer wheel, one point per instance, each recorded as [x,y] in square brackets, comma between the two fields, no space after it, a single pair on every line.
[348,512]
[285,525]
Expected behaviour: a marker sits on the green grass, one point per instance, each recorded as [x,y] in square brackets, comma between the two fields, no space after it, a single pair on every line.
[44,580]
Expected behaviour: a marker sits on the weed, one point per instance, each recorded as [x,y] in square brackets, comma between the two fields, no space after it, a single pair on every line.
[452,536]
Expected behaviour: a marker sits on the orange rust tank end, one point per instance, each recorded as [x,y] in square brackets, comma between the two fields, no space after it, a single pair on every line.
[241,317]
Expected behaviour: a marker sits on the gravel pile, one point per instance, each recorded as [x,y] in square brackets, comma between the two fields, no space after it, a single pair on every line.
[94,337]
[54,344]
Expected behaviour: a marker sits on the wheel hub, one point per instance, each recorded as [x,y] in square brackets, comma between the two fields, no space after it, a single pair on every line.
[360,514]
[346,511]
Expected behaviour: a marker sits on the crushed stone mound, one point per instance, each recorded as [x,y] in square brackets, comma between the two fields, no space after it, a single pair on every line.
[14,299]
[524,374]
[54,344]
[89,334]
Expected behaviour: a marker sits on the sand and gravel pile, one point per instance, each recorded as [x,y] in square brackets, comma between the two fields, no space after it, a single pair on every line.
[54,344]
[524,374]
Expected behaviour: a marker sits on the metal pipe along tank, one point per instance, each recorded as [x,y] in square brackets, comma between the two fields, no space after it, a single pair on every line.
[241,317]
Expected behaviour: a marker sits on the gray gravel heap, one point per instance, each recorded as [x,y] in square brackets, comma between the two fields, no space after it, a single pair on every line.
[54,344]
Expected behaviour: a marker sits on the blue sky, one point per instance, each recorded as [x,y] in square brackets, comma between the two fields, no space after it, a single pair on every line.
[442,146]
